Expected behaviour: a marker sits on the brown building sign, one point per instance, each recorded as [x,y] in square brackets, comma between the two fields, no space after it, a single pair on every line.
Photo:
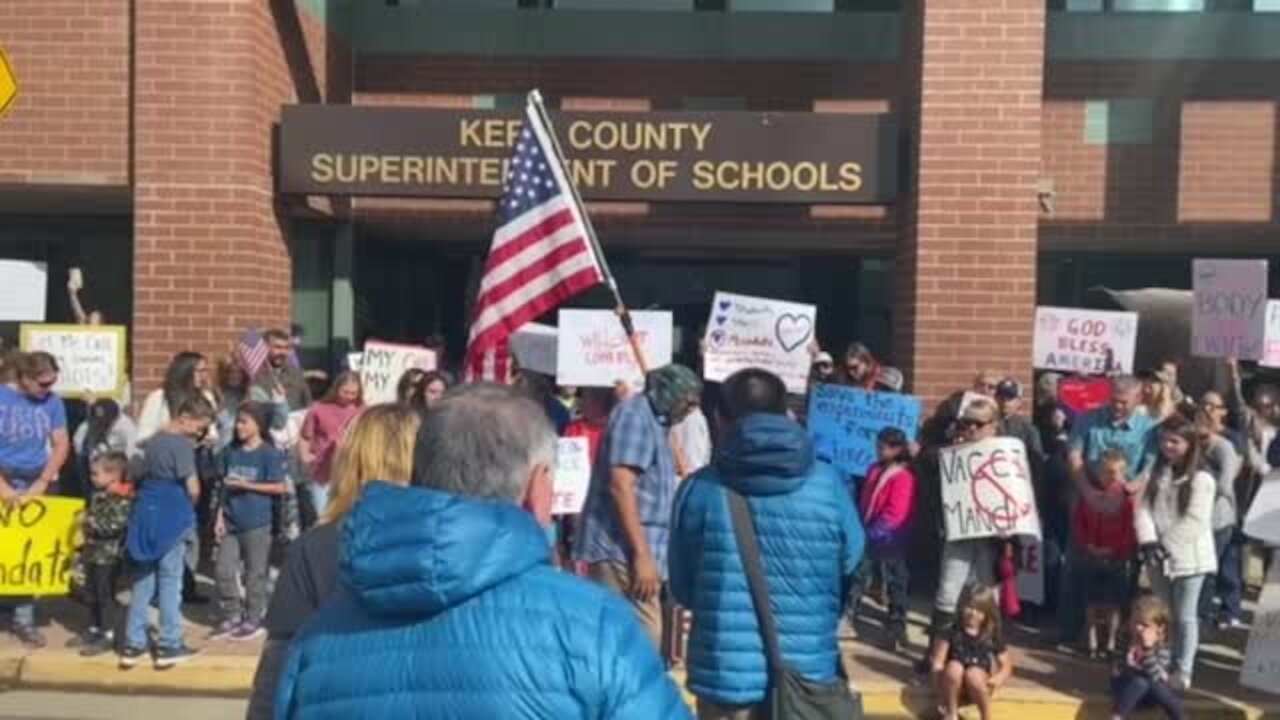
[658,156]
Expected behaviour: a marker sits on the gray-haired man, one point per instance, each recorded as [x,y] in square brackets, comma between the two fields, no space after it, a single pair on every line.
[448,593]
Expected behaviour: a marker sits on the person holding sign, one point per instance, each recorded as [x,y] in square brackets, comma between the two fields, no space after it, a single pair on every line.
[323,427]
[33,448]
[1175,535]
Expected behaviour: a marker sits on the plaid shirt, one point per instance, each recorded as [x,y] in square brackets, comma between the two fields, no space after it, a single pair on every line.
[637,439]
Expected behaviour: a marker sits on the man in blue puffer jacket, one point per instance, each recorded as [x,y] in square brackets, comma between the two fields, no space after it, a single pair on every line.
[448,607]
[810,537]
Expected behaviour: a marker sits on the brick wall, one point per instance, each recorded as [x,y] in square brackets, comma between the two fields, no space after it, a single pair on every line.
[69,124]
[966,283]
[210,252]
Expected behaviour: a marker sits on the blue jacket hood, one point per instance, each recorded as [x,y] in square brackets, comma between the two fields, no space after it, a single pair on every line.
[416,551]
[766,454]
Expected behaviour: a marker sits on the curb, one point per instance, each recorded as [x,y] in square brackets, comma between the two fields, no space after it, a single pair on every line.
[229,676]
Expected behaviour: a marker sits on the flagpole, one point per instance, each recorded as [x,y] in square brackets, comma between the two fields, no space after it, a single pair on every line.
[619,307]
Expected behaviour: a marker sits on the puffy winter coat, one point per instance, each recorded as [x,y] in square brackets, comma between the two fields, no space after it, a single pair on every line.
[888,505]
[447,608]
[811,540]
[1188,536]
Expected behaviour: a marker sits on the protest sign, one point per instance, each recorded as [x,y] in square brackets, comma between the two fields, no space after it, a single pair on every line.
[1263,521]
[353,361]
[1228,316]
[91,358]
[573,476]
[1080,395]
[986,490]
[1089,342]
[844,422]
[382,364]
[37,540]
[592,349]
[534,347]
[25,286]
[745,332]
[1261,667]
[1271,338]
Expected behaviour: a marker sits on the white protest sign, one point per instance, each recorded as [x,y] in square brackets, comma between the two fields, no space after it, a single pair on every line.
[1228,316]
[1261,667]
[746,332]
[1271,338]
[382,364]
[1263,521]
[534,346]
[25,284]
[593,351]
[573,476]
[1031,573]
[1088,342]
[353,361]
[91,358]
[986,490]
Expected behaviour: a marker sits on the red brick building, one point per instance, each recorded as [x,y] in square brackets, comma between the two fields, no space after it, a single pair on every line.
[1043,149]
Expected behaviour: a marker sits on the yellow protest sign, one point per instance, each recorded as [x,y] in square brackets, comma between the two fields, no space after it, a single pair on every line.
[37,540]
[8,84]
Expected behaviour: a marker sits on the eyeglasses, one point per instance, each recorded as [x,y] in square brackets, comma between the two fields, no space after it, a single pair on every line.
[972,424]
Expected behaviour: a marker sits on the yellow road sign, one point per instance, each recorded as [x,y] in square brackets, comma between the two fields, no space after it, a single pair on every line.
[8,84]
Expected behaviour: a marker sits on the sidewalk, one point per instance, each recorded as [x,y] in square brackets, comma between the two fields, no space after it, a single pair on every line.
[1047,684]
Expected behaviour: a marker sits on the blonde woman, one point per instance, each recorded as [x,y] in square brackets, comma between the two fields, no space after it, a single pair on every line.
[1157,394]
[378,445]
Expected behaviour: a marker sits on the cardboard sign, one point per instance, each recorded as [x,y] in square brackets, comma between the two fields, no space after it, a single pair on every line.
[746,332]
[1080,395]
[986,490]
[382,364]
[1229,314]
[37,540]
[844,422]
[1263,521]
[573,476]
[534,347]
[1089,342]
[593,351]
[91,358]
[1271,338]
[1261,667]
[25,284]
[1031,573]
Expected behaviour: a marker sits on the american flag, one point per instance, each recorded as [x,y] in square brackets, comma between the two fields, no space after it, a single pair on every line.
[251,351]
[540,256]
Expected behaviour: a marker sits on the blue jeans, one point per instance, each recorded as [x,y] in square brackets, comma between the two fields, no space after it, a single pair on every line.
[1183,596]
[161,579]
[1131,690]
[22,608]
[1228,584]
[1071,597]
[893,568]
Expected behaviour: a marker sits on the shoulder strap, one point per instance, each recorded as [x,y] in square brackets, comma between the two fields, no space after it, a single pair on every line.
[744,530]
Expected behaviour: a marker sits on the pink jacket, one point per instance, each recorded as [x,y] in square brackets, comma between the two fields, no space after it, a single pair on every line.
[888,504]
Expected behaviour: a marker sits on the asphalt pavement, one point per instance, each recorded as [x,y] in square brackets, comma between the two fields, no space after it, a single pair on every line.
[34,705]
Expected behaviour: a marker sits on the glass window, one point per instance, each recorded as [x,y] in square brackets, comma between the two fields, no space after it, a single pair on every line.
[1084,5]
[658,5]
[782,5]
[1117,122]
[1159,5]
[1266,5]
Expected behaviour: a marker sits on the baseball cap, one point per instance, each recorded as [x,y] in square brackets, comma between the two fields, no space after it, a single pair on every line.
[890,378]
[1008,389]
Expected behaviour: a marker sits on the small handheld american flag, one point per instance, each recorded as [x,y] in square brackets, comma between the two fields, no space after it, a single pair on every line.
[251,352]
[542,252]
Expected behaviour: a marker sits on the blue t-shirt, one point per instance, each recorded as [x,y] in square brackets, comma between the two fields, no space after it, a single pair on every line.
[162,514]
[25,427]
[245,510]
[1098,431]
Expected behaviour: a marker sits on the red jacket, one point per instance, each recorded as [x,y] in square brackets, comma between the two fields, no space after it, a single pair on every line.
[1114,531]
[888,504]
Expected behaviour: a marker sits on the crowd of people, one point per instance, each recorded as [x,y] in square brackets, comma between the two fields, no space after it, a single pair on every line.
[406,553]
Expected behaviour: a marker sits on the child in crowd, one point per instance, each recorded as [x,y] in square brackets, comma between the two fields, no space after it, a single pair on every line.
[253,472]
[1104,528]
[104,526]
[887,503]
[323,427]
[1143,677]
[972,661]
[163,516]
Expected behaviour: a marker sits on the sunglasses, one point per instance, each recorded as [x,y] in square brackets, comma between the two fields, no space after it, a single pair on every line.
[973,423]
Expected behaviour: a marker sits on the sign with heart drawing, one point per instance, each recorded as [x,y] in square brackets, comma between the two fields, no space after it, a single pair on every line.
[745,332]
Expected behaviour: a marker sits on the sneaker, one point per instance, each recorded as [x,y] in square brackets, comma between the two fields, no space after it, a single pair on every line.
[169,657]
[130,657]
[104,644]
[31,638]
[1179,682]
[89,637]
[1231,623]
[225,630]
[248,631]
